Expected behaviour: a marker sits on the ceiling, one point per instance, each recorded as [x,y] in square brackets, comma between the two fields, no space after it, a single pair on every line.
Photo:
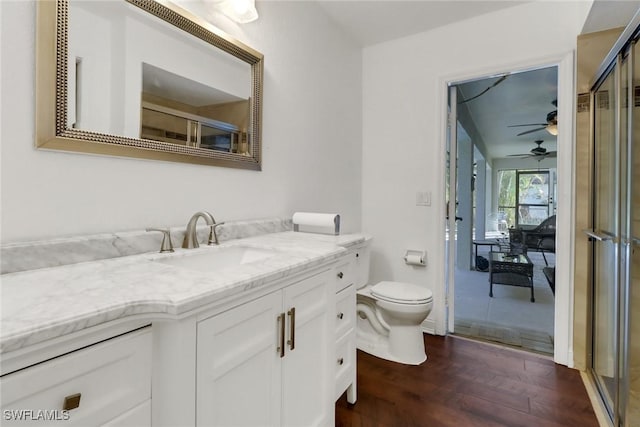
[607,14]
[165,84]
[521,98]
[369,22]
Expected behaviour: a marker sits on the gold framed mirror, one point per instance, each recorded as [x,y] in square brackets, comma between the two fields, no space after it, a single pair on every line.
[89,101]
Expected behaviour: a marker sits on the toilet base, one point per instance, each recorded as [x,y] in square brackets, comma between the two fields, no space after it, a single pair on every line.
[382,347]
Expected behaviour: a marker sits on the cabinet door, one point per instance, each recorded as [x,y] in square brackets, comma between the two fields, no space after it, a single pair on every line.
[308,372]
[238,366]
[361,266]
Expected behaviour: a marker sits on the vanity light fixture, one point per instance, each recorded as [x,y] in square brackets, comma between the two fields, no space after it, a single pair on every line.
[240,11]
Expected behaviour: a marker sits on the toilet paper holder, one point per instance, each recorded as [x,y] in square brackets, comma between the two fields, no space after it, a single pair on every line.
[415,257]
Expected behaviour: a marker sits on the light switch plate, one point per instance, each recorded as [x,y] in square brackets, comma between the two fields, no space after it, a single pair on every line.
[423,198]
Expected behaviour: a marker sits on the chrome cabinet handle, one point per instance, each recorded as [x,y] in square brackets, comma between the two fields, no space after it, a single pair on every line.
[341,361]
[340,316]
[357,255]
[340,275]
[280,348]
[292,328]
[598,236]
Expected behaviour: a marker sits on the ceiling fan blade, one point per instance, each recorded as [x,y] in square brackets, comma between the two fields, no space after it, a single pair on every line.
[551,154]
[531,131]
[520,155]
[530,124]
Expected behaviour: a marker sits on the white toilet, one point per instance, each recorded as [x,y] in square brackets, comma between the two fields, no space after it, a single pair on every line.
[390,315]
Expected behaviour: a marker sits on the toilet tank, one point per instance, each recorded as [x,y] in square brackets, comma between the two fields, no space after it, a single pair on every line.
[361,265]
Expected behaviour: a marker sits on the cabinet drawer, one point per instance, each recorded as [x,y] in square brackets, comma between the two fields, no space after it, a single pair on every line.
[344,273]
[140,416]
[111,377]
[345,363]
[345,310]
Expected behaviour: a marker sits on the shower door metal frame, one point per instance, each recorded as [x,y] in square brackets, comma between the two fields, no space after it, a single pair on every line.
[623,50]
[609,237]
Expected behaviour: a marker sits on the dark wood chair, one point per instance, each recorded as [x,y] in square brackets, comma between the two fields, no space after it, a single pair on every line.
[550,275]
[541,238]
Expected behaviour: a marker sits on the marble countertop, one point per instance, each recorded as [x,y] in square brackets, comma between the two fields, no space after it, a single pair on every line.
[47,303]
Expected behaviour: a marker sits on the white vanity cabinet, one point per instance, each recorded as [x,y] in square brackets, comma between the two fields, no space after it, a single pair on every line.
[105,384]
[351,272]
[268,362]
[273,346]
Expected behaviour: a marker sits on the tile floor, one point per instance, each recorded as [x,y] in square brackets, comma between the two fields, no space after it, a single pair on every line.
[509,317]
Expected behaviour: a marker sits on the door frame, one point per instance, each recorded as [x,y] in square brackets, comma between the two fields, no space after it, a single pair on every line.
[563,324]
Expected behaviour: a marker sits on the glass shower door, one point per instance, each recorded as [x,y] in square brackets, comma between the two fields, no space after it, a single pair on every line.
[632,410]
[615,309]
[604,237]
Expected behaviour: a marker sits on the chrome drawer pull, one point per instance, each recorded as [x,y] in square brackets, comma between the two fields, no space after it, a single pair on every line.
[340,275]
[341,361]
[340,316]
[280,348]
[292,331]
[71,402]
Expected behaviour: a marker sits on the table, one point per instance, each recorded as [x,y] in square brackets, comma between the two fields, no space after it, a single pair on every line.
[477,243]
[512,270]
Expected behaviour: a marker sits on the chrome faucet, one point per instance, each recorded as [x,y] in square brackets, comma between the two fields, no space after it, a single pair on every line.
[190,235]
[167,244]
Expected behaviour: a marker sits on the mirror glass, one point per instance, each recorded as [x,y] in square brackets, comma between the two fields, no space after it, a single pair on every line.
[152,80]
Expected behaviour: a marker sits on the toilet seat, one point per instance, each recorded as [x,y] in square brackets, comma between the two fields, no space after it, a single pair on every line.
[401,293]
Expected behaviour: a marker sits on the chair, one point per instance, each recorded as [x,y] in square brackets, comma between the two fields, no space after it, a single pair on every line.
[542,238]
[550,275]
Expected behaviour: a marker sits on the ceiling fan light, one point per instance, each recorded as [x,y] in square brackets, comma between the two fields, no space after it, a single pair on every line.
[552,129]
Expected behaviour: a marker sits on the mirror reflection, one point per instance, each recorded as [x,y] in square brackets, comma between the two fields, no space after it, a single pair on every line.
[147,71]
[185,112]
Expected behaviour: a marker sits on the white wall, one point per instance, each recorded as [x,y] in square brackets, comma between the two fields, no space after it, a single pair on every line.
[404,85]
[311,152]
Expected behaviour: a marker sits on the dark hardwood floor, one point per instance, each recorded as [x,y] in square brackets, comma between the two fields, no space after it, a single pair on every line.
[467,383]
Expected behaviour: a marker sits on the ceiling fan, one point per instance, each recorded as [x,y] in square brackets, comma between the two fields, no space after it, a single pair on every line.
[550,126]
[539,152]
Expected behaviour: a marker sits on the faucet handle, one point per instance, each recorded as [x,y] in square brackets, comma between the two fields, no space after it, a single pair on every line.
[167,244]
[213,237]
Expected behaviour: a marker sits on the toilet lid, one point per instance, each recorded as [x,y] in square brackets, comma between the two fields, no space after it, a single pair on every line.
[403,293]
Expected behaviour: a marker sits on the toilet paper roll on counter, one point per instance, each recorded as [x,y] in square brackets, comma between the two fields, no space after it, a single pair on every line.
[317,222]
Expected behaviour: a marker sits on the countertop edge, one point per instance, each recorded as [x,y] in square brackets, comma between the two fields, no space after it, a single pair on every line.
[163,309]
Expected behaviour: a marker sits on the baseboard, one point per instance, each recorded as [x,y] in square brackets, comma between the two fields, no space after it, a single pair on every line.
[429,326]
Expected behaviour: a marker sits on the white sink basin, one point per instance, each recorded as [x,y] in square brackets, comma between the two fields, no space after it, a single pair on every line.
[219,258]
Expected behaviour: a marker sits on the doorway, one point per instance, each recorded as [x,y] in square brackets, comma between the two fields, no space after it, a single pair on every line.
[503,178]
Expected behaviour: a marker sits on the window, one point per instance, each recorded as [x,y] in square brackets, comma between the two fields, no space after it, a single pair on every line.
[507,197]
[523,197]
